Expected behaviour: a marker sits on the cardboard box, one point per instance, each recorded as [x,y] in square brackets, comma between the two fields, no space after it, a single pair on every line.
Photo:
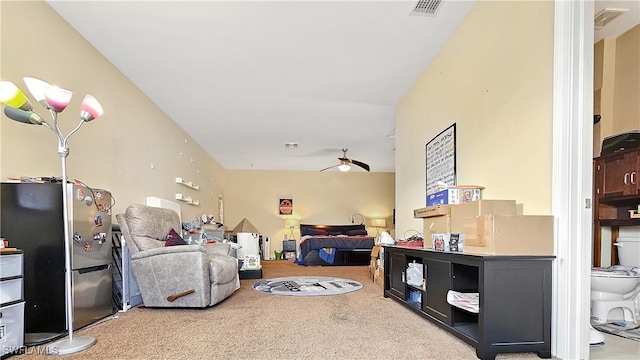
[379,276]
[510,235]
[454,196]
[464,214]
[434,210]
[448,242]
[435,225]
[374,263]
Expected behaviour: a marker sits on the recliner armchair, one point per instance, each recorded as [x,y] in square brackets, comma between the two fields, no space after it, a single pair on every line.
[175,276]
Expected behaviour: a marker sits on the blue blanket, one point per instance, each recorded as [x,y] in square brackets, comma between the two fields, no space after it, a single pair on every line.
[327,255]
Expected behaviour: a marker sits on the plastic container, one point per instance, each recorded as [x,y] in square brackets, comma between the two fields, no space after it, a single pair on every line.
[10,265]
[10,290]
[415,274]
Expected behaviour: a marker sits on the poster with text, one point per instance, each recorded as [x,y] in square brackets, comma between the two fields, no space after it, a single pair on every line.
[286,206]
[441,159]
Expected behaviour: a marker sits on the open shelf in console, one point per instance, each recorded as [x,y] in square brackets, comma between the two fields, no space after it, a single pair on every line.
[466,280]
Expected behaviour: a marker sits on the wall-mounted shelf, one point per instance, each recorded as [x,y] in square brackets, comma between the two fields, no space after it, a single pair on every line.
[187,199]
[187,183]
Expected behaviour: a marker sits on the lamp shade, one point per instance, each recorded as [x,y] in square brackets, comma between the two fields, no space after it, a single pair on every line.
[23,116]
[36,88]
[57,98]
[90,108]
[344,166]
[378,222]
[292,223]
[10,95]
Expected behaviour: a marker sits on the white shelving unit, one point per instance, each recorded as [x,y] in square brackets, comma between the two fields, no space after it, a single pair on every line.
[187,183]
[187,199]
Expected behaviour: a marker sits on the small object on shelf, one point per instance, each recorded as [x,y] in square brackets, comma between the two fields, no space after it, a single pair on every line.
[467,301]
[634,214]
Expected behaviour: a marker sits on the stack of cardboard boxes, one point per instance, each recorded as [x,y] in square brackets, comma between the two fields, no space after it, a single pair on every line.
[494,227]
[376,270]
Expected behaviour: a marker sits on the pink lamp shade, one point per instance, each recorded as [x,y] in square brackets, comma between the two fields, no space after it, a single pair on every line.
[37,88]
[57,98]
[10,95]
[90,108]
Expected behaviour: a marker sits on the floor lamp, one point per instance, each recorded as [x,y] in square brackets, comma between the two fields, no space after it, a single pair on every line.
[19,108]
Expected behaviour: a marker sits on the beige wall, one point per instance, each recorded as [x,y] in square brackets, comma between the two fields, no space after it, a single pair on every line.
[616,85]
[135,150]
[493,78]
[329,198]
[626,102]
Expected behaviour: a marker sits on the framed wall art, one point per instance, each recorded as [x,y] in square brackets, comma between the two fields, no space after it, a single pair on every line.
[285,206]
[441,159]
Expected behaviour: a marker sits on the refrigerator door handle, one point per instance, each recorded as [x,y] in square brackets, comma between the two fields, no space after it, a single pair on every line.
[93,268]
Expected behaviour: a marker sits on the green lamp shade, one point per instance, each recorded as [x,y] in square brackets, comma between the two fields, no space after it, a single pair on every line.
[10,95]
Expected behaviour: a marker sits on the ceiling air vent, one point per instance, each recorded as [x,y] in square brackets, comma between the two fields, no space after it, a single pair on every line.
[604,16]
[426,7]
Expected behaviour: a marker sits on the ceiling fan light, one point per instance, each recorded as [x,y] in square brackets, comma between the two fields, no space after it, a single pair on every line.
[344,167]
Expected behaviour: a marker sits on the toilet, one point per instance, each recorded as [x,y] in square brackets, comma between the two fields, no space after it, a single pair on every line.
[615,291]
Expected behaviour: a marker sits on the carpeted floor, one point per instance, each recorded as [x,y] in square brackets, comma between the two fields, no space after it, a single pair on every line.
[252,325]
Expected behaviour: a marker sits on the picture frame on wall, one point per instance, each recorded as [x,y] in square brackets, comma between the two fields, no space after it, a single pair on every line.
[285,206]
[441,159]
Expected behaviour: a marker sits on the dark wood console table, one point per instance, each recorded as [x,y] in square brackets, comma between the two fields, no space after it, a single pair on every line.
[514,292]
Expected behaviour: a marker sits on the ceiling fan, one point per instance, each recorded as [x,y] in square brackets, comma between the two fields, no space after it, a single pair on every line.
[345,163]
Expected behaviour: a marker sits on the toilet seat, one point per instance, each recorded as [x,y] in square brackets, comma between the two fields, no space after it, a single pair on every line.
[615,273]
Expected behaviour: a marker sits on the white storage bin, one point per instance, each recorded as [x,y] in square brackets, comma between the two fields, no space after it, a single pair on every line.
[10,290]
[10,265]
[11,328]
[415,273]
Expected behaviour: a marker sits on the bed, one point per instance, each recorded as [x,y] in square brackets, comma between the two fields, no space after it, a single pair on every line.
[334,245]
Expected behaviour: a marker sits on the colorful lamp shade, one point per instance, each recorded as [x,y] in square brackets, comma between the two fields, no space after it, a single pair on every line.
[57,98]
[37,88]
[23,116]
[90,108]
[10,95]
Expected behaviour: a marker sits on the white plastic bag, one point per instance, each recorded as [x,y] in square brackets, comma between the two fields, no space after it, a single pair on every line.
[386,239]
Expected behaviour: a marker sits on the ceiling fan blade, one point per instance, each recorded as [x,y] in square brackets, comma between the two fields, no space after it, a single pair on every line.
[361,164]
[330,167]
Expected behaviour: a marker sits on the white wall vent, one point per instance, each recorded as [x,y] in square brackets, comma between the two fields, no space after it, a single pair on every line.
[426,7]
[604,16]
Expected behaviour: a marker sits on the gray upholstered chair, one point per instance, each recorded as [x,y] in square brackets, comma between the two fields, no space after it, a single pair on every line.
[175,276]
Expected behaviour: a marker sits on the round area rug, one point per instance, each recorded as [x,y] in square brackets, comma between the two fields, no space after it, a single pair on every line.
[307,286]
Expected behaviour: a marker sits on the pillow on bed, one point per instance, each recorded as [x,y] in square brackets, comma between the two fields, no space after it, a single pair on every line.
[356,232]
[313,232]
[174,239]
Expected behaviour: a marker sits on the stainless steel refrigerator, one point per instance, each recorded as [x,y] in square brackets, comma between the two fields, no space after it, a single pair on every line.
[31,219]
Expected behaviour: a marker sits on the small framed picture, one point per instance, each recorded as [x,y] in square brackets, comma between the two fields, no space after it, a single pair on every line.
[285,206]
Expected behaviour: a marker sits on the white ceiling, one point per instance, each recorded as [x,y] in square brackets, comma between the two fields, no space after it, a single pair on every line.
[244,78]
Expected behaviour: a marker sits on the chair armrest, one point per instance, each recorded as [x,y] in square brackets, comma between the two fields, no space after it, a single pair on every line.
[218,249]
[168,250]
